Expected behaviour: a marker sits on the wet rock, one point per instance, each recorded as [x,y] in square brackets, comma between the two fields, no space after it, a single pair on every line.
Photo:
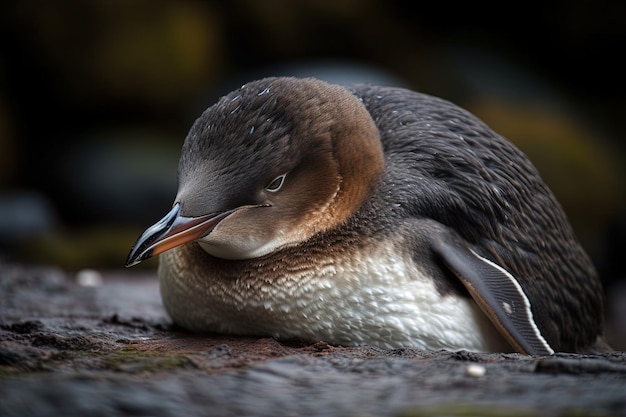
[111,350]
[577,365]
[15,355]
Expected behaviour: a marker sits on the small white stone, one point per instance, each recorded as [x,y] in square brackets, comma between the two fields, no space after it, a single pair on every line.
[89,278]
[475,370]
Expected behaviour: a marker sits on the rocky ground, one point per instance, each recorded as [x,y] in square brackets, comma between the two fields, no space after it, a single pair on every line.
[102,345]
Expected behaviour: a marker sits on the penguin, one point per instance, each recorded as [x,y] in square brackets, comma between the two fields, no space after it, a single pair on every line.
[368,215]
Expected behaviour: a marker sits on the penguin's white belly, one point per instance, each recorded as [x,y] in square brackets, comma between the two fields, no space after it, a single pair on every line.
[377,298]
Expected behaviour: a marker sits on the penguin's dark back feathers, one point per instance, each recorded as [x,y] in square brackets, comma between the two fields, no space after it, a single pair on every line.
[445,164]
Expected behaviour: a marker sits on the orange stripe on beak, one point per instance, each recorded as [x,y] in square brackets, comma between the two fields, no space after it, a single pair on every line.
[171,231]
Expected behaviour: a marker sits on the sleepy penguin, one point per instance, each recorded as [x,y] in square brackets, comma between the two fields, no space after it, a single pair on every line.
[368,215]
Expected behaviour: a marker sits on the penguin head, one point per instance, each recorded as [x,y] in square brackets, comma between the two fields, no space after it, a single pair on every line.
[268,166]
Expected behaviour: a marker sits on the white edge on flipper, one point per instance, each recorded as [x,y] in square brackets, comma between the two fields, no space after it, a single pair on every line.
[513,280]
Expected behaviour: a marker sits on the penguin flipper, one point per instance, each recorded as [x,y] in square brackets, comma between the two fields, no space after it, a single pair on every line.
[497,292]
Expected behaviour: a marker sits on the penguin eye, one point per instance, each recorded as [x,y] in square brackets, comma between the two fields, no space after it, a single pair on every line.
[276,184]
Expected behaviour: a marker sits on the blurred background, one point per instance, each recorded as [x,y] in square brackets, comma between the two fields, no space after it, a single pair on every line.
[96,99]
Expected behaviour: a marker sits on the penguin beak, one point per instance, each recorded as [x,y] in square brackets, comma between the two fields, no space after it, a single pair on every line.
[171,231]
